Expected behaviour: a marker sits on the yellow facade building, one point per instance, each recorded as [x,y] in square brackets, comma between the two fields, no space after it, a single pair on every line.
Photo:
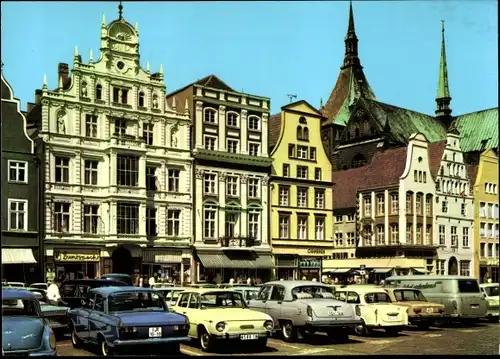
[301,193]
[486,215]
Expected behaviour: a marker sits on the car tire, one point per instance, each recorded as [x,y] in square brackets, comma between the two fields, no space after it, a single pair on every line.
[105,350]
[362,330]
[77,342]
[288,331]
[423,325]
[206,341]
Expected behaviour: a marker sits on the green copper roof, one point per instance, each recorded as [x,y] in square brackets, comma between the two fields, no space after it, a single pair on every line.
[443,88]
[478,130]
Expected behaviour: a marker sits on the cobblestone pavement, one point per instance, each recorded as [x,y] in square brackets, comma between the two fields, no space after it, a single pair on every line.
[482,339]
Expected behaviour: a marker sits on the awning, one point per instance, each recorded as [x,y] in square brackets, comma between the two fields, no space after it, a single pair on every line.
[161,256]
[221,260]
[420,270]
[17,256]
[341,270]
[381,270]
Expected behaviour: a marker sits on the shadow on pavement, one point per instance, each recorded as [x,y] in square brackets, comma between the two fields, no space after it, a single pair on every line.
[324,340]
[381,333]
[234,348]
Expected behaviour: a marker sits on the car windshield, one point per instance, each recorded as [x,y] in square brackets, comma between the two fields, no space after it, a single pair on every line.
[371,298]
[19,307]
[252,294]
[135,302]
[406,295]
[491,291]
[39,286]
[312,291]
[171,295]
[468,286]
[222,300]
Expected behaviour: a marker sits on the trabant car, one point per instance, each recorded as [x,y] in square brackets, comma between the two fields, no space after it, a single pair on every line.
[420,312]
[248,292]
[376,309]
[305,307]
[221,314]
[57,316]
[74,292]
[491,291]
[24,330]
[119,318]
[171,294]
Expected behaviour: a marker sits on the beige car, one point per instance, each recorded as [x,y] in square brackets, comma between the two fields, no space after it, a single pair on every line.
[420,312]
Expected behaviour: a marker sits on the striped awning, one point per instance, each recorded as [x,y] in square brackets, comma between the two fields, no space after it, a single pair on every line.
[17,256]
[340,270]
[221,260]
[381,270]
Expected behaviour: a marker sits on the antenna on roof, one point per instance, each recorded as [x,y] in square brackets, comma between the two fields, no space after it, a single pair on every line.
[291,97]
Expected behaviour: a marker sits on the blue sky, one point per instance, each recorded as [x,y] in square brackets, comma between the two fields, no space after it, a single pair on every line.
[272,48]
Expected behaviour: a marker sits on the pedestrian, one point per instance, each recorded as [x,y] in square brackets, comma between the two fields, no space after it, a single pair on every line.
[141,280]
[53,294]
[152,281]
[249,281]
[231,281]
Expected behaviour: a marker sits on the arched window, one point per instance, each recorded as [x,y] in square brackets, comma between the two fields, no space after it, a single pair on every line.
[98,92]
[358,161]
[305,134]
[299,133]
[141,99]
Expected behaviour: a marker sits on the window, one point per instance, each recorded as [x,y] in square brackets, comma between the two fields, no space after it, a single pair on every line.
[420,176]
[338,219]
[490,250]
[291,151]
[490,210]
[380,204]
[147,132]
[232,146]
[209,115]
[301,172]
[440,265]
[98,92]
[90,219]
[496,230]
[312,154]
[415,175]
[141,99]
[284,195]
[284,226]
[319,195]
[232,119]
[317,174]
[230,224]
[302,227]
[120,127]
[305,134]
[428,205]
[425,177]
[210,143]
[302,152]
[428,234]
[151,222]
[151,178]
[320,228]
[339,242]
[174,222]
[299,133]
[302,197]
[489,234]
[173,180]
[482,250]
[482,230]
[61,217]
[253,149]
[18,215]
[444,206]
[91,169]
[253,187]
[454,236]
[90,125]
[209,224]
[463,209]
[286,170]
[18,171]
[380,235]
[232,186]
[465,268]
[358,161]
[350,239]
[62,170]
[253,123]
[278,293]
[253,224]
[128,170]
[465,237]
[209,183]
[394,234]
[394,203]
[419,234]
[350,218]
[442,235]
[409,233]
[482,210]
[368,206]
[418,204]
[127,219]
[496,212]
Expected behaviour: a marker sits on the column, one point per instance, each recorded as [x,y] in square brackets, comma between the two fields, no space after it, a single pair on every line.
[264,219]
[79,125]
[77,170]
[221,215]
[244,205]
[386,217]
[198,235]
[264,144]
[222,128]
[198,121]
[113,166]
[243,138]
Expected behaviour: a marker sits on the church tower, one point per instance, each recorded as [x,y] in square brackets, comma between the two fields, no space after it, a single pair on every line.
[443,98]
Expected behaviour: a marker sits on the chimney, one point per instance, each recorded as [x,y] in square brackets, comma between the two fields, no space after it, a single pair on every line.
[38,95]
[63,71]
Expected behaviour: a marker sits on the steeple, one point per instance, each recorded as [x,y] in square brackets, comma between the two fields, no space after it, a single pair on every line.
[443,98]
[351,42]
[120,11]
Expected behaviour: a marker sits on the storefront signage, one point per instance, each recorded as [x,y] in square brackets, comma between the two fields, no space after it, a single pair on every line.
[310,263]
[316,251]
[76,257]
[420,286]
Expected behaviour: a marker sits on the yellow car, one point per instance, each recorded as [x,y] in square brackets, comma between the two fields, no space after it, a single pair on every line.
[222,314]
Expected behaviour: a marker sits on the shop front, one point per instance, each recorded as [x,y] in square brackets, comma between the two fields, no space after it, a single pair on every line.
[489,270]
[172,266]
[63,264]
[19,265]
[299,263]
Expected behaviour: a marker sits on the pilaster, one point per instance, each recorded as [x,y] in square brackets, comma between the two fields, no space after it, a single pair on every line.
[244,131]
[386,217]
[244,205]
[198,120]
[264,144]
[222,128]
[199,207]
[222,203]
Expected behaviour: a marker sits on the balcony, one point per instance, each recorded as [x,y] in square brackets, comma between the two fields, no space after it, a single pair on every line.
[237,242]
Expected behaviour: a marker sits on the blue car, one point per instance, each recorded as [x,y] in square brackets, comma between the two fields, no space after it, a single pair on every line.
[120,318]
[25,332]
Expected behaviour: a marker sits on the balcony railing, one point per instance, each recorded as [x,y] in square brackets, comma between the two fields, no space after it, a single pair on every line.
[237,242]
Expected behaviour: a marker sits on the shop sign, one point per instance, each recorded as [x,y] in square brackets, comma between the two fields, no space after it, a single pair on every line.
[316,251]
[310,263]
[76,257]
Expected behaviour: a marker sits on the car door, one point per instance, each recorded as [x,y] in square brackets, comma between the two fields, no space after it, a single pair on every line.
[97,318]
[274,304]
[182,308]
[82,317]
[260,302]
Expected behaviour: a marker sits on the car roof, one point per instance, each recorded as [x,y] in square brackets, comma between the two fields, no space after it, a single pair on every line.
[208,290]
[91,281]
[105,291]
[17,293]
[295,283]
[246,287]
[428,277]
[489,285]
[363,290]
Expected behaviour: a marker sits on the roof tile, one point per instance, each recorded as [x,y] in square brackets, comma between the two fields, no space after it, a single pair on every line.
[435,155]
[478,130]
[274,129]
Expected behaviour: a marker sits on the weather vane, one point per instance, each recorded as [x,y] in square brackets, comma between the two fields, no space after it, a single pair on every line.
[291,97]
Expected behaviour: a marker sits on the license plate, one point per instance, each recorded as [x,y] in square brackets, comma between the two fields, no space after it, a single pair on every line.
[334,312]
[249,336]
[155,332]
[393,318]
[430,310]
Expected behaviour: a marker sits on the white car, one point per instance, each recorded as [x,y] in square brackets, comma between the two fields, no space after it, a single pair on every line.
[490,290]
[16,284]
[377,309]
[43,286]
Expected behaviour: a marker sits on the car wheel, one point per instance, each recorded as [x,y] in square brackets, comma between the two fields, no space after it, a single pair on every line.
[423,325]
[105,349]
[362,330]
[77,342]
[338,336]
[206,342]
[288,331]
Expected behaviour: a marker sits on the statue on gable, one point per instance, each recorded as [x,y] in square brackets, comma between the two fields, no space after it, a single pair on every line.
[61,122]
[173,135]
[155,101]
[84,89]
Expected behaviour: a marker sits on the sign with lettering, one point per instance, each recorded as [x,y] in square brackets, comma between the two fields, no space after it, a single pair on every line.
[76,257]
[310,263]
[316,251]
[420,286]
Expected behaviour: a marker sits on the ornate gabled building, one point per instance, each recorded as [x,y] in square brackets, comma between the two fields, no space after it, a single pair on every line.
[118,194]
[231,175]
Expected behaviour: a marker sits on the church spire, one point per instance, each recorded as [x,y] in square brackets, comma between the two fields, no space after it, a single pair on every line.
[120,11]
[443,98]
[351,42]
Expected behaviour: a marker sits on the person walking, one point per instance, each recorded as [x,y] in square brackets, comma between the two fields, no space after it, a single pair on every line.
[53,294]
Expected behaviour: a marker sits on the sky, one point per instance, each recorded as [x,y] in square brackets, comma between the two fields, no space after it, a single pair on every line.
[272,48]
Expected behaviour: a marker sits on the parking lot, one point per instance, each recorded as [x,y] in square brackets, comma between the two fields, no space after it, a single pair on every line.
[482,339]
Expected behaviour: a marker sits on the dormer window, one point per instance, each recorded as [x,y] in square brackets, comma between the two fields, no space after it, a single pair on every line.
[98,92]
[209,115]
[141,99]
[254,123]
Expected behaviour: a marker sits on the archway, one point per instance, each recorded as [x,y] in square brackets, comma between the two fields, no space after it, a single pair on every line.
[453,266]
[122,261]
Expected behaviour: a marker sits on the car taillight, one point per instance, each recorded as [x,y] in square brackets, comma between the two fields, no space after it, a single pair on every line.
[52,339]
[358,310]
[309,311]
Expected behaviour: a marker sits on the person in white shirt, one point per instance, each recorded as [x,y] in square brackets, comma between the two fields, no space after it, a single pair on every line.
[152,281]
[249,281]
[231,281]
[53,293]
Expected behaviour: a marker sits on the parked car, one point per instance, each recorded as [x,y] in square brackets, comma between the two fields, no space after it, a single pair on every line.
[162,285]
[221,314]
[57,316]
[119,318]
[73,292]
[16,284]
[25,332]
[200,285]
[125,278]
[171,294]
[376,309]
[248,292]
[491,291]
[44,286]
[420,312]
[305,307]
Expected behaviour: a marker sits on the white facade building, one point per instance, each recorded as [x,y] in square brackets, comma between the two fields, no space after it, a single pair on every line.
[118,167]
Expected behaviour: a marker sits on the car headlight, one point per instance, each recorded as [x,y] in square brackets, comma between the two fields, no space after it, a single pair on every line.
[220,326]
[268,324]
[52,339]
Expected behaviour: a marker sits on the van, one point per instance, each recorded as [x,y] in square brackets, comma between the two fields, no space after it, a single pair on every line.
[460,295]
[491,292]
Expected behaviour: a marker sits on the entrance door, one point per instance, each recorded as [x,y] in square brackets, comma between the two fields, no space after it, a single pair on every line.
[122,261]
[453,266]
